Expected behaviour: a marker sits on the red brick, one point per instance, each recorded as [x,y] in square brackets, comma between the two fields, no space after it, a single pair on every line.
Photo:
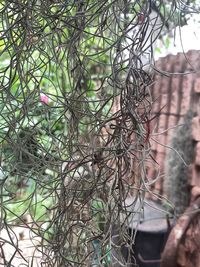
[172,122]
[196,128]
[195,176]
[197,85]
[177,63]
[174,97]
[186,92]
[175,92]
[197,157]
[160,160]
[151,173]
[195,192]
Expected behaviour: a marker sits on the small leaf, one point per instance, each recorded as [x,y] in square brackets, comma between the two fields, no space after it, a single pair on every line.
[158,50]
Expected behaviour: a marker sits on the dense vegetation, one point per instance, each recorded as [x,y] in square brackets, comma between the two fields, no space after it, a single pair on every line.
[74,120]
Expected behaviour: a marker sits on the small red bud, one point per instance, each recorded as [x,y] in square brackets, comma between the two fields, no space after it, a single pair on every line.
[44,98]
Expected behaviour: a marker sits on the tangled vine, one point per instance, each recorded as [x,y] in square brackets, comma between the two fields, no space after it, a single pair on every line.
[75,125]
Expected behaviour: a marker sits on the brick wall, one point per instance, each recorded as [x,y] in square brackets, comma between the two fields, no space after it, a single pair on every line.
[175,92]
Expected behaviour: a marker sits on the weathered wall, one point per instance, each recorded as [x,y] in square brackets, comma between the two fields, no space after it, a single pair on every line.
[173,96]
